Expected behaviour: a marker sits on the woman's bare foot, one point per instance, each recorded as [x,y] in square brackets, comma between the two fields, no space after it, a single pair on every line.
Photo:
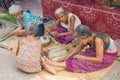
[49,68]
[56,64]
[47,60]
[57,69]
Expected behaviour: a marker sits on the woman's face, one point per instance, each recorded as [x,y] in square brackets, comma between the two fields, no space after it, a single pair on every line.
[83,40]
[18,16]
[62,17]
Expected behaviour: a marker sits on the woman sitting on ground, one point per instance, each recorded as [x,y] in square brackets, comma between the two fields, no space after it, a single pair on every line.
[101,52]
[64,27]
[30,51]
[22,19]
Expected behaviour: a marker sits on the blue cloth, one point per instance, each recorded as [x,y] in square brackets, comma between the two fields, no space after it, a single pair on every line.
[29,17]
[111,44]
[40,30]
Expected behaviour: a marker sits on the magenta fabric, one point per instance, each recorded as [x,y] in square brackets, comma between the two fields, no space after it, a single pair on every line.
[63,39]
[75,65]
[91,12]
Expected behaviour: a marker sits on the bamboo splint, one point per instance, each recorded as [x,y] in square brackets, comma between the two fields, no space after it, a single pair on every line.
[57,52]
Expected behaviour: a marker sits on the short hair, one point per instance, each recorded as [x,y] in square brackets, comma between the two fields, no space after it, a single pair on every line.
[59,10]
[15,9]
[31,28]
[83,31]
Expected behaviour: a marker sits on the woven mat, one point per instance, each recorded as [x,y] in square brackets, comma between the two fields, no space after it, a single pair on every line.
[114,73]
[8,27]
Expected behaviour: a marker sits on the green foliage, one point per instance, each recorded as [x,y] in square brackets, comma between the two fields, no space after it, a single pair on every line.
[8,17]
[115,3]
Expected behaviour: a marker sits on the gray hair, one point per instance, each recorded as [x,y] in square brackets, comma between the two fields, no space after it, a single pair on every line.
[83,31]
[15,9]
[59,10]
[31,28]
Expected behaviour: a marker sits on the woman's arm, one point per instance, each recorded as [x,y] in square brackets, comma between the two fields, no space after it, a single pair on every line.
[19,25]
[72,22]
[56,24]
[99,53]
[42,51]
[79,47]
[18,46]
[17,29]
[76,50]
[53,27]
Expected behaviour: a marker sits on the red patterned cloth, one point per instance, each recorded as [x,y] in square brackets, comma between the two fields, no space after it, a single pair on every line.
[93,14]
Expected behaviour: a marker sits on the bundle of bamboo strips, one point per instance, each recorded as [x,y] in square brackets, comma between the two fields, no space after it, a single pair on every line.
[57,52]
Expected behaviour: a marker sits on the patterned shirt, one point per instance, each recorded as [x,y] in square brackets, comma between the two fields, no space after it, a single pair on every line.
[29,57]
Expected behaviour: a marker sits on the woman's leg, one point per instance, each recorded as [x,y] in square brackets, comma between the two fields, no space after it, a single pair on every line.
[49,68]
[57,64]
[52,69]
[57,69]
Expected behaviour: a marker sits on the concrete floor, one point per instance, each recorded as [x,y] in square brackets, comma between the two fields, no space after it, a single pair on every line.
[29,5]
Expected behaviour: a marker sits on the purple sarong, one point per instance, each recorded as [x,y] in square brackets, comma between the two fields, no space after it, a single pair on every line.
[75,65]
[63,39]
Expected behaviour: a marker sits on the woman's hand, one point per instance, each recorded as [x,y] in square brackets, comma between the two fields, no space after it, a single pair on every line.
[48,29]
[54,33]
[77,56]
[63,59]
[15,31]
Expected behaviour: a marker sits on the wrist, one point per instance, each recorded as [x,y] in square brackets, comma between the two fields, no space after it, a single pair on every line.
[60,34]
[19,28]
[81,57]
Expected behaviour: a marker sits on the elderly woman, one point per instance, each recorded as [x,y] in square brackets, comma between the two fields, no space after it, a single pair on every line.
[22,19]
[30,51]
[64,27]
[101,52]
